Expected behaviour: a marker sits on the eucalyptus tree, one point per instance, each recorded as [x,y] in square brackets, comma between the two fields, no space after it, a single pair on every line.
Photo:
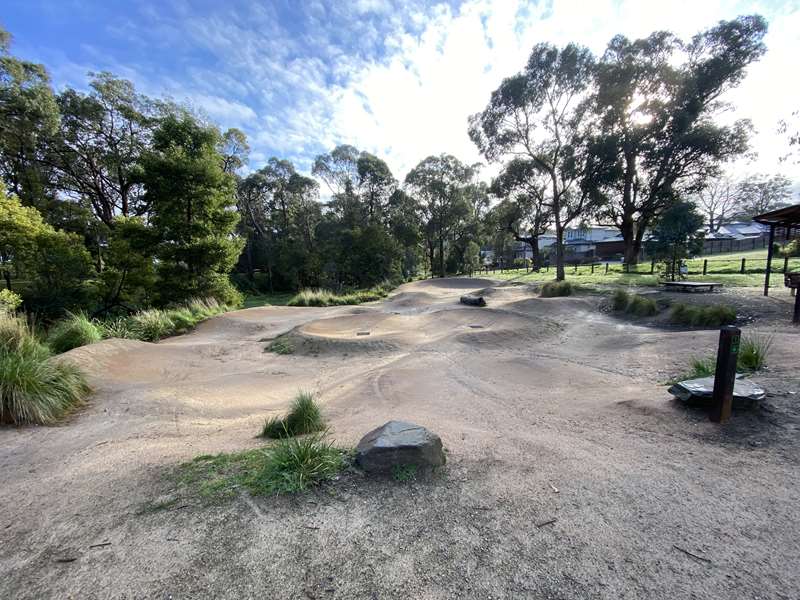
[102,138]
[719,201]
[758,194]
[543,115]
[441,184]
[658,99]
[523,211]
[28,118]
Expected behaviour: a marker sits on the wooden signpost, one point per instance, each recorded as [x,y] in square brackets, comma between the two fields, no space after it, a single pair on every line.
[725,374]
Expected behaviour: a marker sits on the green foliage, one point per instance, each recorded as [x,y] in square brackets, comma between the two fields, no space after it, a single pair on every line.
[34,388]
[9,301]
[552,289]
[791,249]
[74,331]
[192,200]
[754,350]
[702,316]
[294,464]
[289,465]
[404,473]
[303,417]
[677,235]
[311,297]
[281,345]
[620,300]
[116,327]
[152,325]
[642,307]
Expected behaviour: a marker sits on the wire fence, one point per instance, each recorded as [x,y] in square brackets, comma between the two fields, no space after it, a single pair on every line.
[696,266]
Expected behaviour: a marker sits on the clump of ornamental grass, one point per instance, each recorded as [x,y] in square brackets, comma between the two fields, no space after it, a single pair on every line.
[553,289]
[620,300]
[753,352]
[703,316]
[74,331]
[304,416]
[152,325]
[641,306]
[34,387]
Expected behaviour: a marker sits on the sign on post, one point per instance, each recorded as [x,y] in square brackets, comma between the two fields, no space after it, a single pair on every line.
[725,374]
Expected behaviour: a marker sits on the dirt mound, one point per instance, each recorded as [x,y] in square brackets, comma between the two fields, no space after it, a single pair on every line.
[95,359]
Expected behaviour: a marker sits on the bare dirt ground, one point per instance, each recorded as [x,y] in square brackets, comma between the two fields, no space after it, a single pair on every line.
[571,473]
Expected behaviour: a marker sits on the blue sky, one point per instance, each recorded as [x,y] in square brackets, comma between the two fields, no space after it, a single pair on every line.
[392,77]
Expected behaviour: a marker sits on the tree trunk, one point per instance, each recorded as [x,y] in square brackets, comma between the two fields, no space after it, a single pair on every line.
[629,234]
[536,257]
[7,277]
[441,256]
[559,252]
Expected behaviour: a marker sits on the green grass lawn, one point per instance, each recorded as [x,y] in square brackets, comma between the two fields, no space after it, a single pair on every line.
[640,277]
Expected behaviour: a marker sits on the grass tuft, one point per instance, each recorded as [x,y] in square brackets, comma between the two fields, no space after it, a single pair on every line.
[152,325]
[281,345]
[703,316]
[74,331]
[620,300]
[289,465]
[404,473]
[304,416]
[641,306]
[753,352]
[323,297]
[34,388]
[553,289]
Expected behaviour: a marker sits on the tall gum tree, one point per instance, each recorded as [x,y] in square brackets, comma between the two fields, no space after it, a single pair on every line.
[541,115]
[658,99]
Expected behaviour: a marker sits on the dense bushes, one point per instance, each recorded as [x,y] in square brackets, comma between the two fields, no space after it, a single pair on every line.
[702,316]
[552,289]
[34,387]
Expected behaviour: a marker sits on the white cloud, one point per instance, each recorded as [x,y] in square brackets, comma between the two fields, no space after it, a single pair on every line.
[418,102]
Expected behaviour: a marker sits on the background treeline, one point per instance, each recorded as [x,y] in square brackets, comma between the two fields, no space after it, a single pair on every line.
[114,201]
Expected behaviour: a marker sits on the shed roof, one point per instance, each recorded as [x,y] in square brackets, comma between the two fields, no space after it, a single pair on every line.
[783,216]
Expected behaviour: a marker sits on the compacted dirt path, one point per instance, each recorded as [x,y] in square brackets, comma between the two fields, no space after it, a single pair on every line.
[571,473]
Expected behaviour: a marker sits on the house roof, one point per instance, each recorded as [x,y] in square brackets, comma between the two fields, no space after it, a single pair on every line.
[783,216]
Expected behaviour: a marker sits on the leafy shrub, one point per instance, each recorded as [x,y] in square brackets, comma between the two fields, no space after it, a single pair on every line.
[295,464]
[74,331]
[620,300]
[34,388]
[9,301]
[642,307]
[705,316]
[753,352]
[552,289]
[304,417]
[152,325]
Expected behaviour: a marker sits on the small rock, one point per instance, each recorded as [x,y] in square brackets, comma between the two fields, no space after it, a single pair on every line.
[398,443]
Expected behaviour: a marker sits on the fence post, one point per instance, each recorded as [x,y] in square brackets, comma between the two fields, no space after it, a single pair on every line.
[785,264]
[627,268]
[606,268]
[743,263]
[705,266]
[652,266]
[725,373]
[576,267]
[592,268]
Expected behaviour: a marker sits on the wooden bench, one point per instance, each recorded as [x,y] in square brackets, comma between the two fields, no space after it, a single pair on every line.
[691,286]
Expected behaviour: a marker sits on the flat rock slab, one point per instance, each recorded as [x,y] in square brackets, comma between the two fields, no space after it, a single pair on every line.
[701,390]
[399,444]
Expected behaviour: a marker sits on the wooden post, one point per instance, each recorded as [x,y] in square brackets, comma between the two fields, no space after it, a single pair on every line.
[769,257]
[606,268]
[592,268]
[743,263]
[725,373]
[705,266]
[627,268]
[785,264]
[652,266]
[796,319]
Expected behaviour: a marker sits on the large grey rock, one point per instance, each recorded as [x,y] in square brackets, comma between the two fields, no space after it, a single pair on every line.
[398,443]
[471,300]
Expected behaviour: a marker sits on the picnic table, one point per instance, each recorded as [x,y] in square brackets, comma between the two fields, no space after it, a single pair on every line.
[692,286]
